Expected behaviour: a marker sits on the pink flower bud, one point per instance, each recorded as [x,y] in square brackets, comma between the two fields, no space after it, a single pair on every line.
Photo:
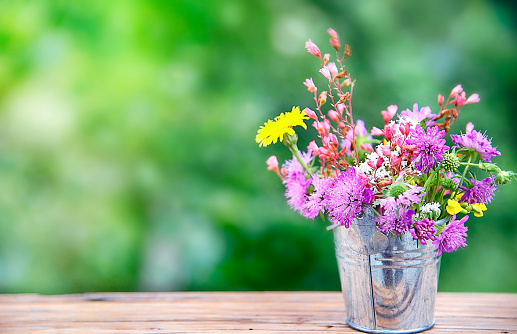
[389,131]
[310,85]
[333,115]
[310,113]
[456,90]
[325,71]
[474,98]
[272,163]
[440,100]
[340,108]
[376,132]
[333,69]
[386,151]
[326,125]
[326,58]
[372,164]
[332,33]
[335,43]
[388,114]
[314,148]
[322,98]
[405,129]
[333,139]
[312,48]
[394,161]
[366,147]
[380,161]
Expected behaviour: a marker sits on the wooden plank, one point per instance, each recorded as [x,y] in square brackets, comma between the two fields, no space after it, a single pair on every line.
[232,312]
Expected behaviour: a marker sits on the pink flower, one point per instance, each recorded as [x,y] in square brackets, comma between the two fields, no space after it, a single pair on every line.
[456,90]
[333,115]
[376,132]
[474,98]
[310,113]
[311,87]
[388,114]
[326,58]
[312,48]
[440,100]
[326,72]
[335,43]
[272,164]
[313,147]
[333,69]
[332,33]
[460,99]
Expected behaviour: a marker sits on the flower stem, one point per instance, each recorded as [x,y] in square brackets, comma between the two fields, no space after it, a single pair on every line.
[294,150]
[467,165]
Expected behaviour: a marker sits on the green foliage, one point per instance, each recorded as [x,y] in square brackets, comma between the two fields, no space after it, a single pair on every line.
[127,153]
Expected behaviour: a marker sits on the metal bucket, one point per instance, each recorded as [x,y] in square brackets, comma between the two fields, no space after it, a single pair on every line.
[389,283]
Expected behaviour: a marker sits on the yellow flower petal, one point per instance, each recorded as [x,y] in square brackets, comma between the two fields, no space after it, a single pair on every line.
[272,131]
[453,207]
[478,209]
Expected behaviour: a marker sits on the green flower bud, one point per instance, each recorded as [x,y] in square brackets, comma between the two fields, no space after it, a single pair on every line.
[448,184]
[396,189]
[503,177]
[290,140]
[450,162]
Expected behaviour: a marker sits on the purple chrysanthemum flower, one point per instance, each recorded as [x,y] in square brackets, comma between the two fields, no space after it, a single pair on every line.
[411,196]
[416,116]
[478,142]
[346,197]
[315,200]
[293,166]
[423,230]
[396,221]
[481,191]
[296,191]
[453,236]
[296,185]
[431,146]
[396,216]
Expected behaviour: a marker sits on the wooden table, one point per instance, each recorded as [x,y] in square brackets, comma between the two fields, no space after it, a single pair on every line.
[232,312]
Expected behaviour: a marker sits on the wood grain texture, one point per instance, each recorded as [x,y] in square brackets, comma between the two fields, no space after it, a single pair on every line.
[232,312]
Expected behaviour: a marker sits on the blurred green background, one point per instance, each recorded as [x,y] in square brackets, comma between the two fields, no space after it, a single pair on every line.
[127,153]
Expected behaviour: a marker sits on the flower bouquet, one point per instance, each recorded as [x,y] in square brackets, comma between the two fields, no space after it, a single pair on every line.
[396,197]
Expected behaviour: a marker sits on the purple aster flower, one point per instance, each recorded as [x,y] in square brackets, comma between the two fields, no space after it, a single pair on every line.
[346,197]
[296,184]
[396,221]
[416,116]
[293,166]
[431,146]
[411,196]
[478,142]
[453,236]
[423,230]
[315,200]
[481,191]
[296,191]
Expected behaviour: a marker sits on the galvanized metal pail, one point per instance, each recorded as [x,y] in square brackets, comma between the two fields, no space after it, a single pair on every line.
[389,283]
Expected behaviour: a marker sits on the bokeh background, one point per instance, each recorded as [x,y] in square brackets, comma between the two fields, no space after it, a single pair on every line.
[127,153]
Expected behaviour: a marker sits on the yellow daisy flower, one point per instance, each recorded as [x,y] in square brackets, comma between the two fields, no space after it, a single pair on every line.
[272,131]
